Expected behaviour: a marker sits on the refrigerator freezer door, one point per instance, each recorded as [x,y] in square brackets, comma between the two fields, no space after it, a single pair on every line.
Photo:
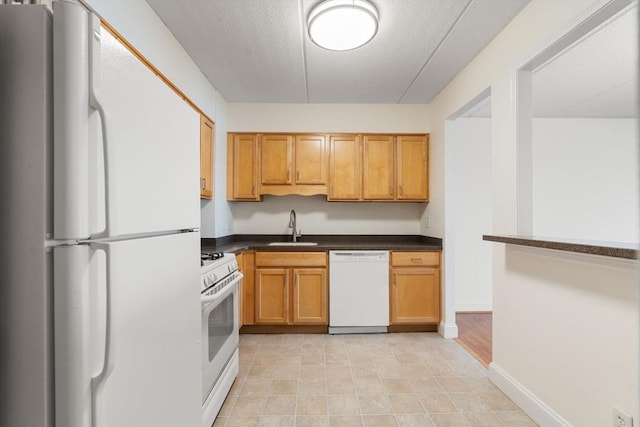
[155,141]
[150,157]
[154,378]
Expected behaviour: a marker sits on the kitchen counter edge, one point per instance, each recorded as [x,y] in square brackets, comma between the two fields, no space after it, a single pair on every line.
[243,242]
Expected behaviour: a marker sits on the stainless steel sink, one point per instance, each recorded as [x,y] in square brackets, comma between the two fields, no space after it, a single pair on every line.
[293,244]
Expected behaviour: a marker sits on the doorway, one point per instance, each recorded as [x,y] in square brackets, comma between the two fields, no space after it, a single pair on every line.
[469,216]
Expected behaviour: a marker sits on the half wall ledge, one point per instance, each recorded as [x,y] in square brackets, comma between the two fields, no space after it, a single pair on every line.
[610,249]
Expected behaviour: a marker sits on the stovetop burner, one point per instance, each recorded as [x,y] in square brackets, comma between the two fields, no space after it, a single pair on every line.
[209,256]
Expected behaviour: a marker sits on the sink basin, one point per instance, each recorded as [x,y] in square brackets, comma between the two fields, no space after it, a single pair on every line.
[293,244]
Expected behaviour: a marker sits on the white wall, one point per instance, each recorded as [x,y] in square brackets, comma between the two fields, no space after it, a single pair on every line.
[140,25]
[585,179]
[546,299]
[315,214]
[566,330]
[470,151]
[407,118]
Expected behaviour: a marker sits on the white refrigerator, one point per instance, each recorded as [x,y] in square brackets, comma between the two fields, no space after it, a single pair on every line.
[99,230]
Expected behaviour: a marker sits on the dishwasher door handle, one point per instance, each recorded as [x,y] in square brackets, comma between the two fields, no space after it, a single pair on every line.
[367,254]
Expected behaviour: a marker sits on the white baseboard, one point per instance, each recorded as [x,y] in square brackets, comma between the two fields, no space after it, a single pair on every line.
[474,306]
[448,330]
[527,401]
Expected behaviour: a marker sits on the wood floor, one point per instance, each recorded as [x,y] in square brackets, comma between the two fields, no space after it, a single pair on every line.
[474,334]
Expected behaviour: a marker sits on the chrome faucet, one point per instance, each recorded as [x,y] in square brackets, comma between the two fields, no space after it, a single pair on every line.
[293,224]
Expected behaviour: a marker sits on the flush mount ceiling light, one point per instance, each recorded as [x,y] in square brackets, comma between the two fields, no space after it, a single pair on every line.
[342,24]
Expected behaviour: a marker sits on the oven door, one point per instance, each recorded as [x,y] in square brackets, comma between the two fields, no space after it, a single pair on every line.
[220,335]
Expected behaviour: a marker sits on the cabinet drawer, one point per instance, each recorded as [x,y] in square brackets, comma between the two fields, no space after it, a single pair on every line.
[415,259]
[291,259]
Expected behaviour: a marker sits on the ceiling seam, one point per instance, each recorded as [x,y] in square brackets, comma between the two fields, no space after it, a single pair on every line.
[304,52]
[446,36]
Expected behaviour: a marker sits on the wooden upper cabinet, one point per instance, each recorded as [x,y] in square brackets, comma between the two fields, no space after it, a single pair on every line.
[277,159]
[242,167]
[293,164]
[206,158]
[344,167]
[412,153]
[311,160]
[345,173]
[378,167]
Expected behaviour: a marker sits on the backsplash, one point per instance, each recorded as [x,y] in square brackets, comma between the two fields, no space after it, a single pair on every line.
[317,216]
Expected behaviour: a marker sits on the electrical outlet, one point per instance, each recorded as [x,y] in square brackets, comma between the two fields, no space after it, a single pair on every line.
[621,419]
[427,222]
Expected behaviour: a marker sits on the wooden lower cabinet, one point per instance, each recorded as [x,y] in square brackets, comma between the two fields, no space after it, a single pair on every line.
[288,295]
[414,295]
[414,289]
[246,264]
[272,296]
[240,261]
[309,302]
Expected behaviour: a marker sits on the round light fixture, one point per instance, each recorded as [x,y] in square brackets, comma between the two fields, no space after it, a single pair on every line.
[342,24]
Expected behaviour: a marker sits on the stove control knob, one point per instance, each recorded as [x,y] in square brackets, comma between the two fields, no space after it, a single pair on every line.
[209,279]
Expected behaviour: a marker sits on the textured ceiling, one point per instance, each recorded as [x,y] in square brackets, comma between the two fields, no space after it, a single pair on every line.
[597,77]
[259,50]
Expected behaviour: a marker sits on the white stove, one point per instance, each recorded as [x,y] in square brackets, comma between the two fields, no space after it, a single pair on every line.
[220,330]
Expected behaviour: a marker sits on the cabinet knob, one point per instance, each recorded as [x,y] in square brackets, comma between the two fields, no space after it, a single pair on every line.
[203,182]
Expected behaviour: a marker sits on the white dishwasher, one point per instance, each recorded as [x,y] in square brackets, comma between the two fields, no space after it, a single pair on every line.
[358,292]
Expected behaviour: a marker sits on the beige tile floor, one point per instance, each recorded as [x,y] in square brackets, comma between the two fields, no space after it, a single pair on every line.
[412,379]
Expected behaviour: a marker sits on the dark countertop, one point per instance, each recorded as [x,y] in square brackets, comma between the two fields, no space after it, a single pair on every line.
[243,242]
[611,249]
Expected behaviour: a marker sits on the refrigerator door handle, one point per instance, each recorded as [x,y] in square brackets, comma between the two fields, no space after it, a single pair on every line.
[97,381]
[94,101]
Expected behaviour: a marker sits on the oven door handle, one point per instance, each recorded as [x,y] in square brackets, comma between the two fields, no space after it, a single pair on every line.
[219,295]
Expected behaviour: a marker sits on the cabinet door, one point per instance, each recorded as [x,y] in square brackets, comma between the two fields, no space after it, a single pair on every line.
[309,305]
[240,261]
[242,167]
[415,296]
[272,296]
[277,158]
[311,159]
[344,168]
[247,267]
[206,158]
[377,167]
[412,160]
